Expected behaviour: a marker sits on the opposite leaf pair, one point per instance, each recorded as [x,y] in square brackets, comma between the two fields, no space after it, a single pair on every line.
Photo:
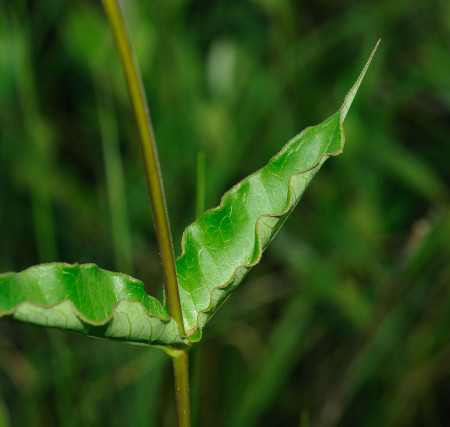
[218,250]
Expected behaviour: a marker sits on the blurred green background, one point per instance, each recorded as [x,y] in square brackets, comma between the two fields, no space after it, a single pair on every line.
[346,322]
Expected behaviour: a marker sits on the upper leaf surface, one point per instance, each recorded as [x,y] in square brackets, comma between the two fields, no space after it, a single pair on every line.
[88,300]
[225,242]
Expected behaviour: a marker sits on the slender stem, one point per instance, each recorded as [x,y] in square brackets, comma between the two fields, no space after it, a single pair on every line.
[180,357]
[150,156]
[181,371]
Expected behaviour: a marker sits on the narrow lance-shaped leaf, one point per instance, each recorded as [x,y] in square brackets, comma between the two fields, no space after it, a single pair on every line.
[225,242]
[88,300]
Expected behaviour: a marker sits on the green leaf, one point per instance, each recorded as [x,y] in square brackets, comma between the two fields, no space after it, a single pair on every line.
[220,247]
[88,300]
[217,252]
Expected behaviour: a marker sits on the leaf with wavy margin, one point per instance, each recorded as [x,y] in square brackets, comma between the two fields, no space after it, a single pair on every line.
[87,300]
[225,242]
[217,252]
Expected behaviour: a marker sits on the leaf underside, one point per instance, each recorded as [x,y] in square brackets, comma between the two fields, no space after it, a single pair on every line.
[217,252]
[88,300]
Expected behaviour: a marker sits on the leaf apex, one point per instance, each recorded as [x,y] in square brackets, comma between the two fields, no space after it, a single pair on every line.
[352,92]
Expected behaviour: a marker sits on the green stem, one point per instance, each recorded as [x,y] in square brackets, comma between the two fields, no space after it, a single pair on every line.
[181,371]
[180,357]
[150,156]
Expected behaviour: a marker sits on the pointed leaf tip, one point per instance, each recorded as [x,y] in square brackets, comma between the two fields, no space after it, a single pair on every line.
[352,92]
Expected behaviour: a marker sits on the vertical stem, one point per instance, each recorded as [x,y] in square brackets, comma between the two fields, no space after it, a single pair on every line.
[180,357]
[150,157]
[181,371]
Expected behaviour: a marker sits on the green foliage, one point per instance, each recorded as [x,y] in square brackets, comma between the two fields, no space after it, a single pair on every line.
[221,247]
[356,281]
[218,251]
[87,300]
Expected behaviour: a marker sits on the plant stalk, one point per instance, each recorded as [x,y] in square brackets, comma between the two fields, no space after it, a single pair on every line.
[149,152]
[150,156]
[181,371]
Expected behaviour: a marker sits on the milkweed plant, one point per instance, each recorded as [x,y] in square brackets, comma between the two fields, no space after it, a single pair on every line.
[218,249]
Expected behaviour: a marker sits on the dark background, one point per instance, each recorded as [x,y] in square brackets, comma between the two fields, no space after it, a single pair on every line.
[346,321]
